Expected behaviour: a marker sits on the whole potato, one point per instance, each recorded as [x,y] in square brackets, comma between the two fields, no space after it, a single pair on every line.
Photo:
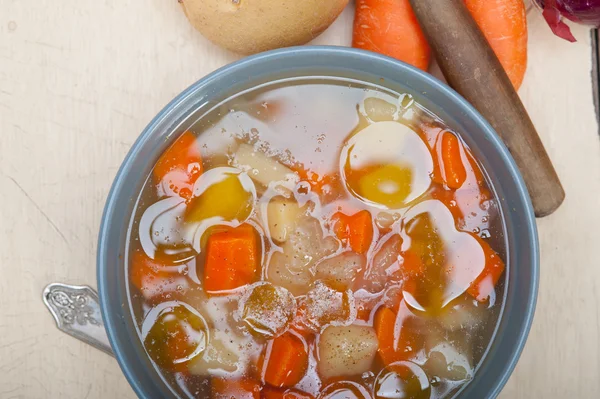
[252,26]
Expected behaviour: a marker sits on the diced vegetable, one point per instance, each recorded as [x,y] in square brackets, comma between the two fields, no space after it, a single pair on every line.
[153,278]
[346,351]
[244,388]
[385,325]
[385,220]
[284,272]
[179,166]
[455,173]
[175,336]
[285,361]
[282,393]
[222,355]
[325,306]
[306,245]
[398,338]
[485,283]
[232,259]
[391,28]
[379,110]
[462,314]
[282,216]
[261,168]
[341,270]
[268,310]
[345,390]
[449,356]
[385,266]
[319,182]
[427,249]
[226,193]
[402,380]
[355,230]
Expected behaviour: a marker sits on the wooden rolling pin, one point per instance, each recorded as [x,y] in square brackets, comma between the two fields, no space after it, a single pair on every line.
[472,69]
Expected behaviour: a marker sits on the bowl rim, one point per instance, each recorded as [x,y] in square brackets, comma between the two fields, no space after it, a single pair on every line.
[314,51]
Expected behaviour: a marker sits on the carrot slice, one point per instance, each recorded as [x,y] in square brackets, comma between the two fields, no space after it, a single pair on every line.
[455,173]
[232,258]
[144,272]
[244,388]
[390,27]
[356,230]
[180,165]
[504,24]
[278,393]
[385,322]
[483,286]
[409,341]
[285,361]
[152,277]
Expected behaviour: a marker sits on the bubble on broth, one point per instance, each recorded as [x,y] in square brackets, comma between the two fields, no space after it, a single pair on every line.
[161,231]
[386,165]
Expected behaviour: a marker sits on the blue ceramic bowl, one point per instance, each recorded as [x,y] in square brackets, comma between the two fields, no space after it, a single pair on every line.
[521,235]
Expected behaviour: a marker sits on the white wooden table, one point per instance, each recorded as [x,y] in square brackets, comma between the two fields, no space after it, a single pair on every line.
[80,79]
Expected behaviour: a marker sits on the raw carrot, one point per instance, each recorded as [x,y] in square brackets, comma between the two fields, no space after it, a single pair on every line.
[391,28]
[232,258]
[278,393]
[504,24]
[454,170]
[285,361]
[355,230]
[483,286]
[244,388]
[180,166]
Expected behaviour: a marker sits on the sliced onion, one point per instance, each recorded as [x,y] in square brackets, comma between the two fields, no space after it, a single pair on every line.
[585,12]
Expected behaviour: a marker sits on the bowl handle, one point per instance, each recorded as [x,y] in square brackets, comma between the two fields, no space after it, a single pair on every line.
[76,310]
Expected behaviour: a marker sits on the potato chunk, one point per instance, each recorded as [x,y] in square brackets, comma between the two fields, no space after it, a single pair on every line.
[379,110]
[346,351]
[260,167]
[267,310]
[221,355]
[282,217]
[325,306]
[304,247]
[341,270]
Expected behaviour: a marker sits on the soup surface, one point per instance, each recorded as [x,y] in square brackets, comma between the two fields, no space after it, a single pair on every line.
[317,238]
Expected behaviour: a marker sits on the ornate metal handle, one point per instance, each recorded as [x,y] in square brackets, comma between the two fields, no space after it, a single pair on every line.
[76,310]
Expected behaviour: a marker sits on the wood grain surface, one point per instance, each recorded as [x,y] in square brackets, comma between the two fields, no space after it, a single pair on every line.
[80,79]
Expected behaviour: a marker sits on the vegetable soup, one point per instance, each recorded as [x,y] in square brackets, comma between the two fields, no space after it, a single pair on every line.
[317,238]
